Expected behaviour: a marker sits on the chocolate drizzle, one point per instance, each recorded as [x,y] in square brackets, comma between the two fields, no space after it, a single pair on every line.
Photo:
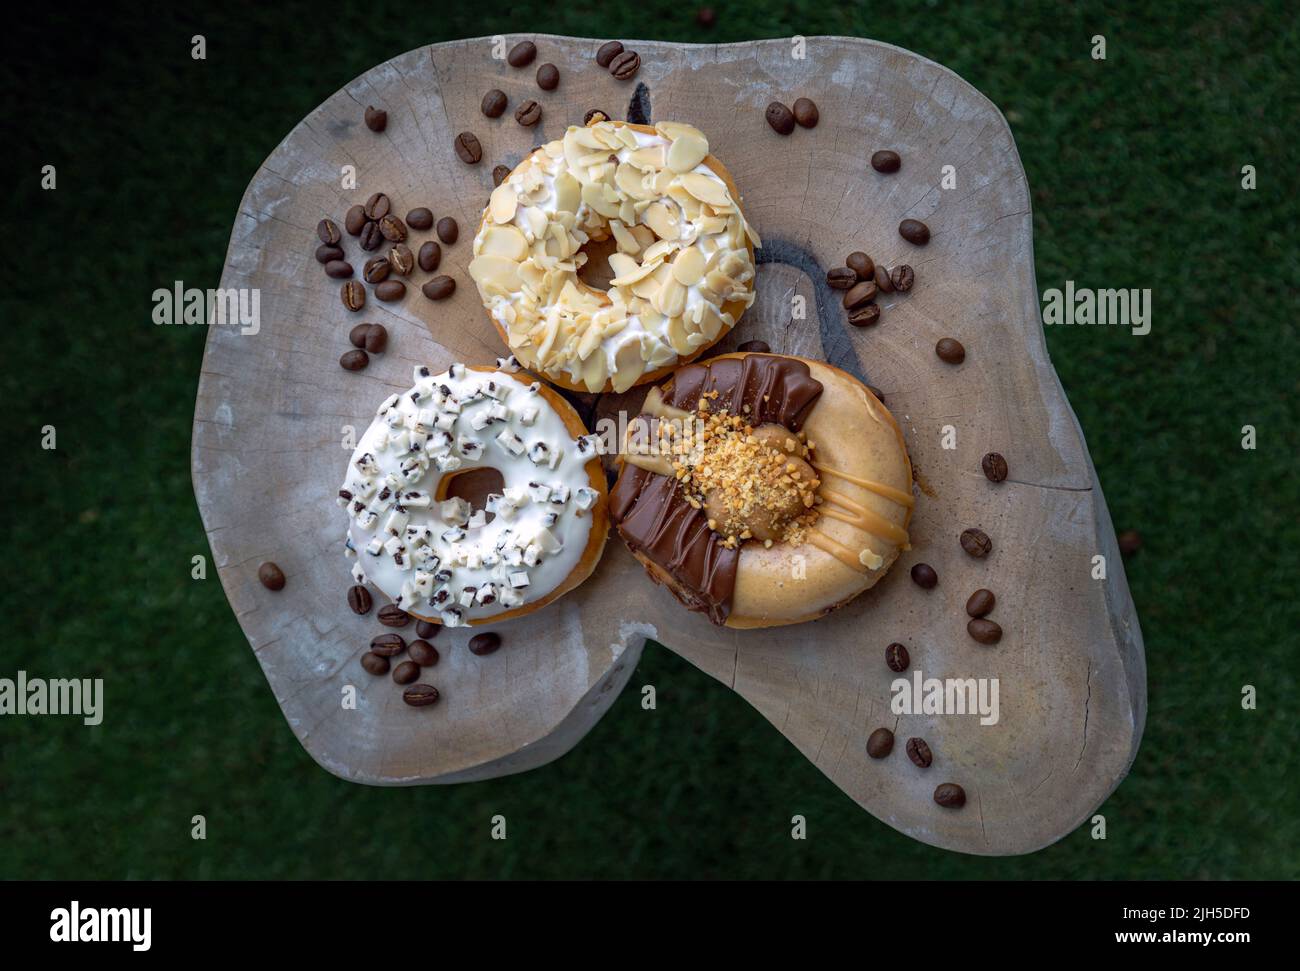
[654,518]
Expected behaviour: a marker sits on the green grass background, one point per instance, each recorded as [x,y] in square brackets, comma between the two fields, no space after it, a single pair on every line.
[1134,165]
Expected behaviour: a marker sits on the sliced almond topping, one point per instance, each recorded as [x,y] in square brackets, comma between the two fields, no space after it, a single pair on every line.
[503,203]
[495,274]
[671,299]
[677,336]
[688,267]
[687,152]
[634,276]
[628,366]
[594,372]
[568,193]
[661,219]
[660,249]
[627,243]
[677,129]
[504,241]
[650,286]
[706,188]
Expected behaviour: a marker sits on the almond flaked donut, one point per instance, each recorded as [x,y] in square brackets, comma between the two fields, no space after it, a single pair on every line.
[683,270]
[763,489]
[434,556]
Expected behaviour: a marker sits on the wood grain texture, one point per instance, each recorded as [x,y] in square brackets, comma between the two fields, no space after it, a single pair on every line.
[267,454]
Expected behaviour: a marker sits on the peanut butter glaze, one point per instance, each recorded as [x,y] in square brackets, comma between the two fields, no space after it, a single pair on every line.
[654,518]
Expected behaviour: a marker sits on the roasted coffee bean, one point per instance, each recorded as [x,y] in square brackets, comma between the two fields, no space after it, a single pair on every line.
[359,599]
[376,339]
[376,120]
[522,54]
[754,347]
[919,752]
[950,351]
[976,542]
[357,335]
[390,290]
[499,174]
[430,256]
[378,206]
[272,576]
[353,295]
[994,466]
[485,643]
[625,65]
[529,113]
[420,218]
[608,51]
[393,228]
[448,230]
[391,615]
[338,269]
[950,795]
[376,271]
[886,161]
[859,295]
[841,278]
[867,316]
[371,237]
[880,743]
[1130,541]
[426,630]
[985,631]
[375,664]
[902,277]
[388,645]
[805,112]
[406,672]
[355,220]
[780,118]
[861,264]
[328,231]
[439,288]
[548,77]
[354,360]
[897,658]
[914,231]
[980,603]
[923,576]
[401,259]
[420,695]
[423,653]
[880,277]
[328,254]
[494,103]
[595,115]
[468,148]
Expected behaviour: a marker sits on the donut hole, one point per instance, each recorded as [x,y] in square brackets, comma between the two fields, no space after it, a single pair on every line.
[472,485]
[596,272]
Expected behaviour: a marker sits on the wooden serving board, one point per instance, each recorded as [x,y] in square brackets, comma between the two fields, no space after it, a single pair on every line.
[268,449]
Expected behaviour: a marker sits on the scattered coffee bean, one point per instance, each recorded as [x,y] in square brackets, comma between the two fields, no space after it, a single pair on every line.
[885,161]
[468,148]
[881,279]
[426,630]
[980,603]
[423,653]
[485,643]
[338,269]
[880,743]
[494,103]
[390,290]
[867,316]
[841,278]
[858,295]
[439,288]
[355,220]
[919,752]
[950,795]
[448,230]
[499,174]
[923,576]
[754,347]
[529,113]
[328,254]
[357,335]
[354,360]
[608,51]
[359,599]
[806,113]
[272,576]
[371,237]
[401,259]
[595,115]
[430,256]
[375,664]
[522,54]
[393,228]
[388,645]
[780,118]
[985,631]
[376,120]
[1130,541]
[548,77]
[976,542]
[378,206]
[625,65]
[328,231]
[376,271]
[994,466]
[406,672]
[950,351]
[861,264]
[902,277]
[914,231]
[353,295]
[420,218]
[376,339]
[897,658]
[420,695]
[391,615]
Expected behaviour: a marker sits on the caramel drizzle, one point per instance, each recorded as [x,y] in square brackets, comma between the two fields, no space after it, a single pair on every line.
[841,507]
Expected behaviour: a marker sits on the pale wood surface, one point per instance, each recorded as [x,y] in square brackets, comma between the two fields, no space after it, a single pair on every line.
[267,454]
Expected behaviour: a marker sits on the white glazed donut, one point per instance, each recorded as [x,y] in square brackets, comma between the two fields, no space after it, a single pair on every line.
[433,557]
[683,272]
